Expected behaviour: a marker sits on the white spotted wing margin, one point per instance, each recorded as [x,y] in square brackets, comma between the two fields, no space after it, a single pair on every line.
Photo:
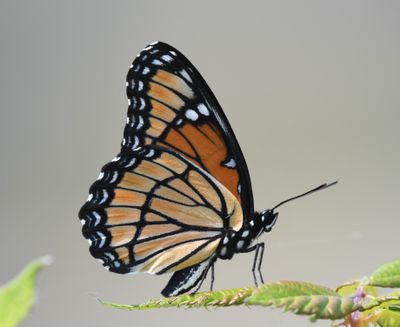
[154,211]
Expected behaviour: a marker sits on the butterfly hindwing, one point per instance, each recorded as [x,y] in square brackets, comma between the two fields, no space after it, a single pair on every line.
[170,105]
[152,210]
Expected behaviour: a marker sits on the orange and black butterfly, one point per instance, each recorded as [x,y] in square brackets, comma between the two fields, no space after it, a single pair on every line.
[178,196]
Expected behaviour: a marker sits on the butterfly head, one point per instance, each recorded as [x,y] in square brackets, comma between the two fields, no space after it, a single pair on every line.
[268,219]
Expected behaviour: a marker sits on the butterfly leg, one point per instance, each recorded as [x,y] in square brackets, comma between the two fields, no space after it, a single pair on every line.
[258,257]
[212,277]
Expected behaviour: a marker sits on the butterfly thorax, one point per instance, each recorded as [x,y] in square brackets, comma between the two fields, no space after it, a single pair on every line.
[239,241]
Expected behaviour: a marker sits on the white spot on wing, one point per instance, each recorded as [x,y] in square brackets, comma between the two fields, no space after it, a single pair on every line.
[191,114]
[114,178]
[245,233]
[83,222]
[105,197]
[141,123]
[203,109]
[142,104]
[157,62]
[130,163]
[102,239]
[101,175]
[167,58]
[136,142]
[150,153]
[185,75]
[97,217]
[146,70]
[90,197]
[230,164]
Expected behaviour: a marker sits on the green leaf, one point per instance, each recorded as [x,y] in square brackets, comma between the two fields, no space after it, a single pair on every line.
[348,289]
[387,275]
[389,318]
[18,295]
[385,309]
[201,299]
[303,298]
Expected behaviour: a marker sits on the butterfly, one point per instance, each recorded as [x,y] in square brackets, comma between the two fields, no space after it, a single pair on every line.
[178,196]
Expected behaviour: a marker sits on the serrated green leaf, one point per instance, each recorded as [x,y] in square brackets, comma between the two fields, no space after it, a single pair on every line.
[388,275]
[18,295]
[303,298]
[389,318]
[202,299]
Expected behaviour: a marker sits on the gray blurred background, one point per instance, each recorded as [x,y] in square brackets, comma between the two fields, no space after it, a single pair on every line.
[311,89]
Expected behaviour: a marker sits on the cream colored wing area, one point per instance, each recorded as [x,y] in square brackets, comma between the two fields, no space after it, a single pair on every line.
[182,256]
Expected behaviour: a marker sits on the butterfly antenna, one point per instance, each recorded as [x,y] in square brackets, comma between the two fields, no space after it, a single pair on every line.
[319,188]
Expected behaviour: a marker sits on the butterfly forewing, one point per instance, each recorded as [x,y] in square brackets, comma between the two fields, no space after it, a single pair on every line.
[170,105]
[152,210]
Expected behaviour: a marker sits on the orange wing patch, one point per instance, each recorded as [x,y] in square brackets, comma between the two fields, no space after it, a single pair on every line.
[161,111]
[174,82]
[128,198]
[121,235]
[204,146]
[156,230]
[136,182]
[165,95]
[122,215]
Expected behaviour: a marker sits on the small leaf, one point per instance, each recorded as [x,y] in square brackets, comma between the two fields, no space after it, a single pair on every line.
[303,298]
[387,275]
[348,289]
[389,318]
[18,295]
